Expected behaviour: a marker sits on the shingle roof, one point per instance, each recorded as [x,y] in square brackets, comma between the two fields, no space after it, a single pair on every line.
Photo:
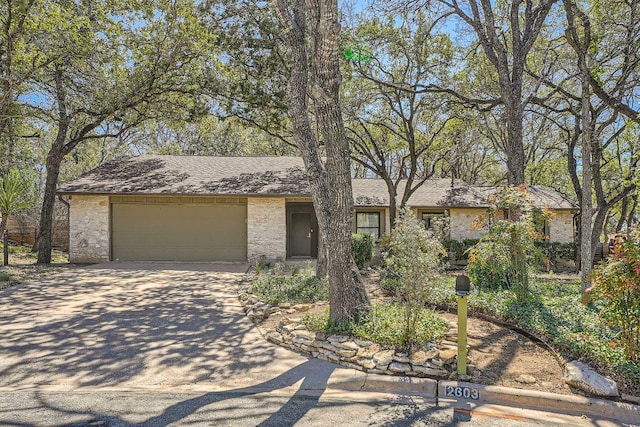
[244,176]
[436,193]
[160,174]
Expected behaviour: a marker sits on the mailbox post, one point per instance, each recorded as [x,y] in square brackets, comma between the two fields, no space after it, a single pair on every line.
[463,285]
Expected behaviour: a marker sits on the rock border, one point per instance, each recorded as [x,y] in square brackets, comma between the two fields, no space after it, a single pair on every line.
[437,361]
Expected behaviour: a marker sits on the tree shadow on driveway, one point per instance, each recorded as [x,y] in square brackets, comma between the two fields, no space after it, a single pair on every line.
[97,327]
[312,373]
[252,405]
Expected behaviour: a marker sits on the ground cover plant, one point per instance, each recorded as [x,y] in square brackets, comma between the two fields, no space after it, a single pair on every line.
[276,286]
[553,312]
[384,325]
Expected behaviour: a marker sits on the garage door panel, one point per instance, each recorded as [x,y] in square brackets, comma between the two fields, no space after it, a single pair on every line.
[179,232]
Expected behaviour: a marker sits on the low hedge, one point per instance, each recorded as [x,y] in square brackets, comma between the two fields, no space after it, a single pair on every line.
[553,251]
[362,248]
[459,249]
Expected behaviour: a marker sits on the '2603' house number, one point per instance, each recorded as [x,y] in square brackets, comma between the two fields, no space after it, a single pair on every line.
[462,392]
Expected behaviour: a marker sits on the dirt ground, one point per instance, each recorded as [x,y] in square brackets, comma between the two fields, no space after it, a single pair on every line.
[504,357]
[22,267]
[500,355]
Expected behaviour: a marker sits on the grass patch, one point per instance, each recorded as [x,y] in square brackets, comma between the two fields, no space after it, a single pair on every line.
[319,322]
[383,325]
[299,288]
[553,312]
[16,250]
[5,277]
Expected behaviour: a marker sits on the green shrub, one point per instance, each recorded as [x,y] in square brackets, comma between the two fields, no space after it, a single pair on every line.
[506,255]
[488,266]
[414,257]
[362,248]
[5,277]
[617,284]
[567,251]
[385,324]
[554,251]
[291,289]
[459,249]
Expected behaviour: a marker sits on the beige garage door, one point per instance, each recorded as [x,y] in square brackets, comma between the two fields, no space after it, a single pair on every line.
[178,229]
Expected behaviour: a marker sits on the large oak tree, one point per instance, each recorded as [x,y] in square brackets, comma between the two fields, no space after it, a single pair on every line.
[312,36]
[116,65]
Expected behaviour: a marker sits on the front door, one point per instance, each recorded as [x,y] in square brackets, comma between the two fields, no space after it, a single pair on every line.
[302,230]
[301,234]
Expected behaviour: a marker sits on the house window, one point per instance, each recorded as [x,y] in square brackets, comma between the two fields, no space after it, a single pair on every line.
[432,218]
[368,223]
[541,224]
[543,229]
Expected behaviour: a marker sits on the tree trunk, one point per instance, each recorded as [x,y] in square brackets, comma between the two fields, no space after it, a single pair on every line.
[515,147]
[54,159]
[632,212]
[581,44]
[314,25]
[623,214]
[3,222]
[321,262]
[347,296]
[393,204]
[597,227]
[586,204]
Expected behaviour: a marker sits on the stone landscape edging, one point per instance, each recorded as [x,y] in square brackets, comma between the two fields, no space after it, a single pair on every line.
[437,360]
[400,375]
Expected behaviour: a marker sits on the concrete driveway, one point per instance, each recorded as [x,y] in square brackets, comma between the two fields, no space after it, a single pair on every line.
[139,326]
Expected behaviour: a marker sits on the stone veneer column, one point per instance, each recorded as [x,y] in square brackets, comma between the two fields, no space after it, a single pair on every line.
[561,227]
[89,229]
[266,228]
[461,220]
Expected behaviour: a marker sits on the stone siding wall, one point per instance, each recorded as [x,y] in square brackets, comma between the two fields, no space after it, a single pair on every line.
[89,225]
[266,228]
[561,227]
[461,220]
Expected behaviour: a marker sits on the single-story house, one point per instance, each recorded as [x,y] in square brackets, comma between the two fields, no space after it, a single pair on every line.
[198,208]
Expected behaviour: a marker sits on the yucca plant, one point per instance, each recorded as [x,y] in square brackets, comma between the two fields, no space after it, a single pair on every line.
[14,190]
